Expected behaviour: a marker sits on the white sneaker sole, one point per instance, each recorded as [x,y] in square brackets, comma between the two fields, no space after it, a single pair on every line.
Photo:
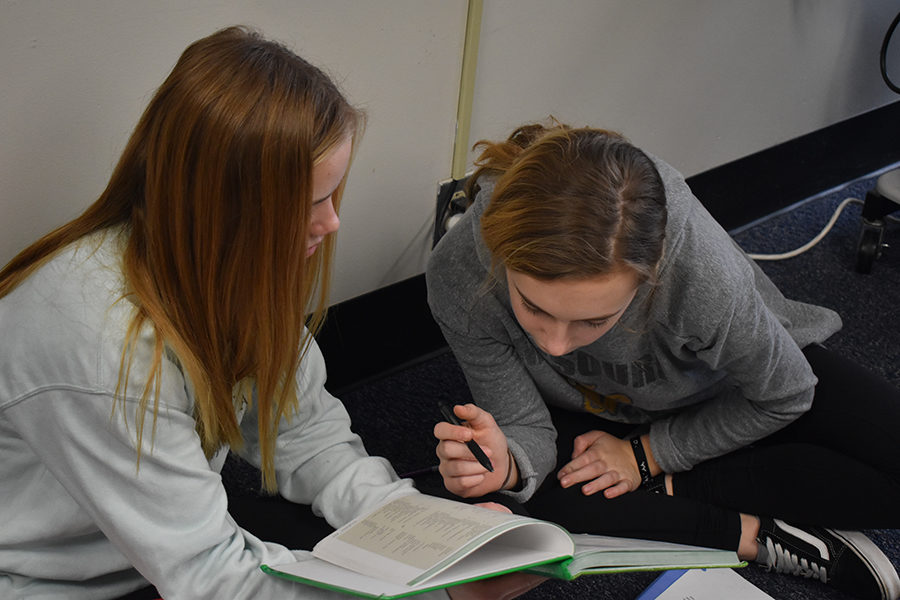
[875,560]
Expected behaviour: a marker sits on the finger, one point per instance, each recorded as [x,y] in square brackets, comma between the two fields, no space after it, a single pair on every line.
[621,488]
[587,472]
[461,468]
[447,431]
[600,483]
[503,587]
[585,441]
[494,506]
[453,450]
[574,464]
[456,459]
[583,461]
[463,486]
[477,418]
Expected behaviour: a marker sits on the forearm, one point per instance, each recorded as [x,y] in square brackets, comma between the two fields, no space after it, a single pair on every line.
[719,426]
[652,464]
[168,518]
[319,460]
[501,385]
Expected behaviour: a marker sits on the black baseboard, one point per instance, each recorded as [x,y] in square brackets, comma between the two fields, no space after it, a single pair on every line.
[747,189]
[387,329]
[371,335]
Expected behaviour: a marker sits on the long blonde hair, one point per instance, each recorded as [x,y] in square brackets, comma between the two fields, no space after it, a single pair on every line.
[214,189]
[572,203]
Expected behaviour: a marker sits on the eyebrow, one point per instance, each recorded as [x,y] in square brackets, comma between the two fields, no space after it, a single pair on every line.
[535,306]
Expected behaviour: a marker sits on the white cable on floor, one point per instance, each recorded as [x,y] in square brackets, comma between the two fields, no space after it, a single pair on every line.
[813,241]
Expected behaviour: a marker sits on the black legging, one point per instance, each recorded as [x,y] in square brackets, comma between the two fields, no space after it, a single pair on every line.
[838,465]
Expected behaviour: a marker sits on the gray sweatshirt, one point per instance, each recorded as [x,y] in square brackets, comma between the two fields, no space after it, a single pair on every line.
[79,520]
[711,360]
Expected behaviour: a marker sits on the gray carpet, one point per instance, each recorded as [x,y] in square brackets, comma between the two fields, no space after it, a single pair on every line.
[394,414]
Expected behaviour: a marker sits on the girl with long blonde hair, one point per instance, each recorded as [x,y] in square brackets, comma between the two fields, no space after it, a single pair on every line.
[173,321]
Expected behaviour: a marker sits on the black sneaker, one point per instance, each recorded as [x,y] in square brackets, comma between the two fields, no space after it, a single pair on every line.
[846,560]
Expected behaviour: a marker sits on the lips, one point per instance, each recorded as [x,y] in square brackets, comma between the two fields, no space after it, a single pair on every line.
[312,247]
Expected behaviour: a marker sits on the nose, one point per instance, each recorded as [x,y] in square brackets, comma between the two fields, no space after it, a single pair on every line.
[324,219]
[555,339]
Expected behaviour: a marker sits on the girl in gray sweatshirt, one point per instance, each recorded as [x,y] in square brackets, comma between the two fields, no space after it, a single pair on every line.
[634,373]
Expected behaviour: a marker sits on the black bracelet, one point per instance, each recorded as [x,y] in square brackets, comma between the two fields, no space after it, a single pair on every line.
[657,484]
[508,468]
[641,457]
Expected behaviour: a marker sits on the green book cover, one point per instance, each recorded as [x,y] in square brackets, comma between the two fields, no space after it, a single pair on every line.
[597,554]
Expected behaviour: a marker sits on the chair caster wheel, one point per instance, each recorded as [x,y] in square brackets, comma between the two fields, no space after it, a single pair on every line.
[880,202]
[869,247]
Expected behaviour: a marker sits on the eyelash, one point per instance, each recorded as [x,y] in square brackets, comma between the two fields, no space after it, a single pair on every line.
[592,324]
[532,309]
[595,324]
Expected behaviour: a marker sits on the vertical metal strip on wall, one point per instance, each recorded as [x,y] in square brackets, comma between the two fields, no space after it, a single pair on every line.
[466,89]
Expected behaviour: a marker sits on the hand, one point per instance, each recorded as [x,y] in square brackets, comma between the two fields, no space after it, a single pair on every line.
[605,462]
[494,506]
[462,473]
[503,587]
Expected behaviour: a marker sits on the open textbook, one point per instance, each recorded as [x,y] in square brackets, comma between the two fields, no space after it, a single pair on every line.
[418,543]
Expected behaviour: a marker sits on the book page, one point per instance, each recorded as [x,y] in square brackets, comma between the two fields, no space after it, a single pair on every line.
[587,542]
[597,551]
[411,539]
[607,554]
[418,532]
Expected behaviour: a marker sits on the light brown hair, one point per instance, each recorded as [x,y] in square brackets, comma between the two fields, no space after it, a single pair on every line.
[572,203]
[214,191]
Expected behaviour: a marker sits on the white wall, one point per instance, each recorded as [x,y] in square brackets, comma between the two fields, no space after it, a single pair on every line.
[75,77]
[697,82]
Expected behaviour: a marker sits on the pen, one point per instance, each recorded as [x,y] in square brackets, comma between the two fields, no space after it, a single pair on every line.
[473,446]
[419,472]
